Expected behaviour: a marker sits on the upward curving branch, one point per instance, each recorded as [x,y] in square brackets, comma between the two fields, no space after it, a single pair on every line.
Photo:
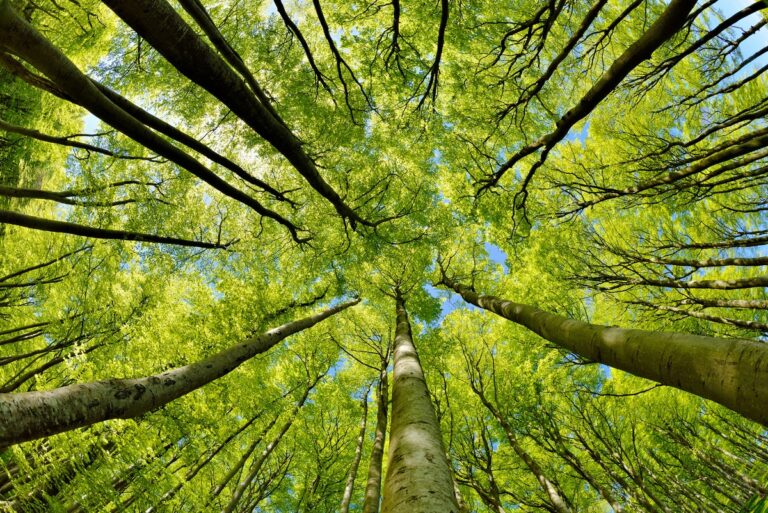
[532,90]
[340,62]
[294,29]
[434,70]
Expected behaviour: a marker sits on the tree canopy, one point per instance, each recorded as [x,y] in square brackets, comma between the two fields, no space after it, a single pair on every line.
[411,256]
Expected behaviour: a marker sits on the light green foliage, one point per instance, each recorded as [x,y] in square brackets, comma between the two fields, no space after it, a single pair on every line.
[605,235]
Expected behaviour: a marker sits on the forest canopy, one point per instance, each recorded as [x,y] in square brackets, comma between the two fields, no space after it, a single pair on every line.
[430,256]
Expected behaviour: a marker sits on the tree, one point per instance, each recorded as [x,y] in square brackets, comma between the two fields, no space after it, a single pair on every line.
[179,176]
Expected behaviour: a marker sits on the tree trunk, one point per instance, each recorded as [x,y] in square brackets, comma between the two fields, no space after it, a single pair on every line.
[29,415]
[350,484]
[373,487]
[553,491]
[170,494]
[732,372]
[256,466]
[419,477]
[246,454]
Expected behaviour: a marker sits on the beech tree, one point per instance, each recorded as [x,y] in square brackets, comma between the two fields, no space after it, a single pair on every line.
[383,256]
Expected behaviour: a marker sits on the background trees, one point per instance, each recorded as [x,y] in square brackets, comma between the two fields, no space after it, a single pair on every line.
[178,177]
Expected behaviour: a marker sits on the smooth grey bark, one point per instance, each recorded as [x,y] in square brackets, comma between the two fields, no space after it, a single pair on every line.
[418,474]
[757,304]
[739,283]
[740,323]
[731,372]
[30,415]
[373,484]
[349,486]
[463,506]
[48,225]
[709,262]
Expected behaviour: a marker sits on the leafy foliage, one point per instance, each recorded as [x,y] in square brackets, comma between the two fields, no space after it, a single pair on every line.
[341,149]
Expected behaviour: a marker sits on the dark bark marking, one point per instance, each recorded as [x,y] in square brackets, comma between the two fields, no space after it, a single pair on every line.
[140,389]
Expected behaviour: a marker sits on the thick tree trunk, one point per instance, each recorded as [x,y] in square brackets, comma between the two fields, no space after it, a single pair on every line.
[197,11]
[373,486]
[29,415]
[350,484]
[732,372]
[419,476]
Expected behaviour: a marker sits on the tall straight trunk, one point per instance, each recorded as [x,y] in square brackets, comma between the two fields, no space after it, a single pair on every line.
[257,465]
[350,484]
[419,476]
[552,489]
[555,495]
[373,486]
[29,415]
[732,372]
